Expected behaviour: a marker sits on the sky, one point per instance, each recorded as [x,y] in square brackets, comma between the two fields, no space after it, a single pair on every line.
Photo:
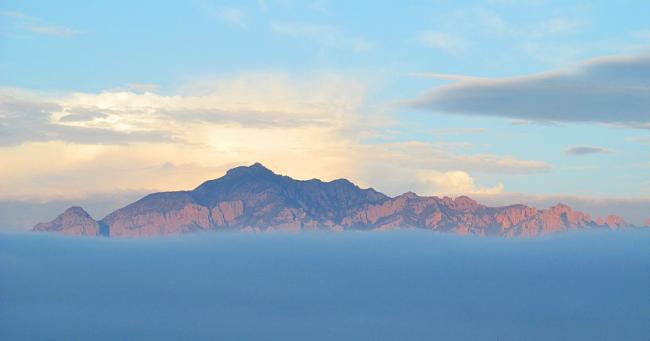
[505,100]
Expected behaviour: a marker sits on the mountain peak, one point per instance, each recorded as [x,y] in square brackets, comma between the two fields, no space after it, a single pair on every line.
[254,198]
[78,211]
[256,169]
[75,220]
[409,195]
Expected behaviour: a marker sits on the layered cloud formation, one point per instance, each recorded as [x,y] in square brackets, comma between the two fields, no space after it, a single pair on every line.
[611,90]
[137,139]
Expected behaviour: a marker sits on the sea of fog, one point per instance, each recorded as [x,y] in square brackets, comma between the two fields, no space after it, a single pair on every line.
[326,286]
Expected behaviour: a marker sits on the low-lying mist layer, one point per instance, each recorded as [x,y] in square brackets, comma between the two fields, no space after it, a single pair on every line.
[404,285]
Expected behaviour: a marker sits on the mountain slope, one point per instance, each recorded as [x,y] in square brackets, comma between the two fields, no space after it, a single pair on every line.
[254,198]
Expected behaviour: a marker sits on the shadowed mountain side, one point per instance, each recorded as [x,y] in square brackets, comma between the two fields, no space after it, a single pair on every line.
[256,199]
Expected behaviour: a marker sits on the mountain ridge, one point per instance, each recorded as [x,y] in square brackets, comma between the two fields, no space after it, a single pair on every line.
[254,198]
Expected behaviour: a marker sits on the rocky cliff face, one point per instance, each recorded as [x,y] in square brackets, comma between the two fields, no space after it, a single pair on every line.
[256,199]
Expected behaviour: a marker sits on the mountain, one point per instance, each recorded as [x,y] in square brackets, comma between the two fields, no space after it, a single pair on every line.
[73,221]
[254,198]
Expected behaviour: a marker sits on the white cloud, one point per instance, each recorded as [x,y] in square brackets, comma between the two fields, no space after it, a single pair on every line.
[57,31]
[454,183]
[444,41]
[233,16]
[556,26]
[36,25]
[306,127]
[323,35]
[490,22]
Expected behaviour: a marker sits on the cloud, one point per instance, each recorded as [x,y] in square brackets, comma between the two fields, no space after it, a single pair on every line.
[457,131]
[306,127]
[642,139]
[491,21]
[425,155]
[26,117]
[230,15]
[233,16]
[454,183]
[613,90]
[77,143]
[473,22]
[585,150]
[261,100]
[139,88]
[446,42]
[556,26]
[323,35]
[36,25]
[424,167]
[56,31]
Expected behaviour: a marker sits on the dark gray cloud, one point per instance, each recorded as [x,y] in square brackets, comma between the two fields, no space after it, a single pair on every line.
[585,150]
[27,119]
[614,90]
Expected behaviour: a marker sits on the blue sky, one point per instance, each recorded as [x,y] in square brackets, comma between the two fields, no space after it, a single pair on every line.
[123,95]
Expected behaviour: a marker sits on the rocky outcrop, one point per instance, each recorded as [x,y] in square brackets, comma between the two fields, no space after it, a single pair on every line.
[613,222]
[256,199]
[74,221]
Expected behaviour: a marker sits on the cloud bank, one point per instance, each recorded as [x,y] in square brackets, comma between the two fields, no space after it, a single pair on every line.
[347,286]
[137,139]
[612,90]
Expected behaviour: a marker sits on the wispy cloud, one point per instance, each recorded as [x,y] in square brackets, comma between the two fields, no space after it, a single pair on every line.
[463,29]
[56,31]
[229,15]
[323,35]
[555,26]
[36,25]
[458,131]
[642,139]
[233,16]
[446,42]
